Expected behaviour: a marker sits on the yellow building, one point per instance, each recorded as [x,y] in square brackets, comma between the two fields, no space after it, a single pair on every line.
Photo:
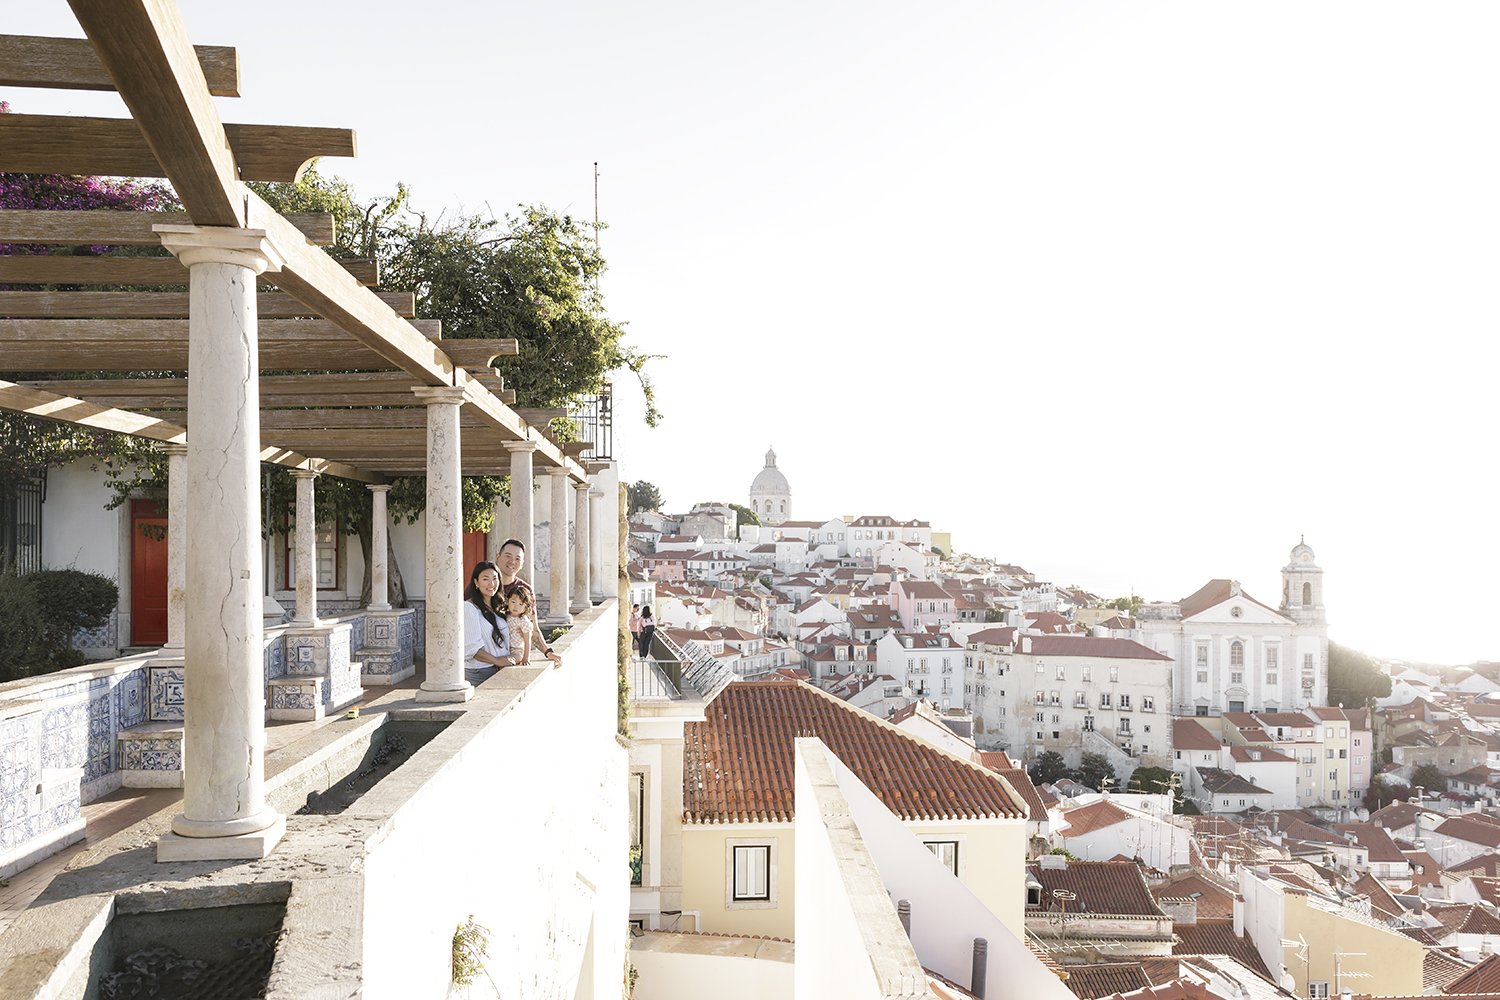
[737,846]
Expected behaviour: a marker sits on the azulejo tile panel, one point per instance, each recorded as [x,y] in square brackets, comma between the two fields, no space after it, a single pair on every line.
[168,699]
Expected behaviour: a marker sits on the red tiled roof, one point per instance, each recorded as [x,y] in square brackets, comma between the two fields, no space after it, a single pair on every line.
[1215,900]
[1087,645]
[1103,887]
[1180,989]
[1021,782]
[998,636]
[1094,816]
[1470,918]
[1465,828]
[925,590]
[1211,593]
[1217,937]
[1254,755]
[1190,735]
[1483,978]
[738,762]
[1439,969]
[1381,900]
[1093,982]
[1375,840]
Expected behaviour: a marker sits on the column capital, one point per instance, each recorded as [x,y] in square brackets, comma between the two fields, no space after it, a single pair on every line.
[439,395]
[174,448]
[582,486]
[248,248]
[514,446]
[554,470]
[378,487]
[305,474]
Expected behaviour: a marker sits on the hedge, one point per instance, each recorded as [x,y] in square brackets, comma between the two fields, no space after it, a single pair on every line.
[41,611]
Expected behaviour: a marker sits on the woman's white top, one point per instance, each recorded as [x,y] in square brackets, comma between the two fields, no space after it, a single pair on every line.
[478,634]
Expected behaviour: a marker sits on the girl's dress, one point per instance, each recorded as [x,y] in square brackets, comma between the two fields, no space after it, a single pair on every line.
[520,631]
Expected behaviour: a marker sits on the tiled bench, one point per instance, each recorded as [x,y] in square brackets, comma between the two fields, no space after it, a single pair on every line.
[151,755]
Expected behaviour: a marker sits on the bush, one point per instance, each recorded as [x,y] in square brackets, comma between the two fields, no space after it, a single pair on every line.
[40,612]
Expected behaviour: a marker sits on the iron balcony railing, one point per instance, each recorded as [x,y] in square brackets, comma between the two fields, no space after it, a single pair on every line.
[595,417]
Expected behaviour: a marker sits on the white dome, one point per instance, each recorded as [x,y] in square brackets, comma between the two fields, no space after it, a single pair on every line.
[770,479]
[1302,554]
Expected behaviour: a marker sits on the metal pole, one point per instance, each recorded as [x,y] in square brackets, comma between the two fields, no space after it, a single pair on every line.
[903,911]
[981,963]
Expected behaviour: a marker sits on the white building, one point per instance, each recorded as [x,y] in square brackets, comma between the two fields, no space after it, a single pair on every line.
[1236,654]
[770,495]
[1070,693]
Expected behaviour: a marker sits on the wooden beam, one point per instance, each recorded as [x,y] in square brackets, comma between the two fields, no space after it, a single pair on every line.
[575,449]
[152,305]
[67,269]
[144,48]
[57,144]
[71,64]
[541,416]
[107,227]
[171,356]
[40,403]
[476,352]
[157,331]
[334,419]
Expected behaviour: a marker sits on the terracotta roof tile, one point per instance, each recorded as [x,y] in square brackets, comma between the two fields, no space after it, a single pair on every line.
[1190,735]
[1487,864]
[1021,782]
[738,762]
[1088,645]
[1483,978]
[1373,839]
[1217,937]
[1093,982]
[1469,918]
[1440,969]
[1107,887]
[1215,900]
[1471,830]
[1094,816]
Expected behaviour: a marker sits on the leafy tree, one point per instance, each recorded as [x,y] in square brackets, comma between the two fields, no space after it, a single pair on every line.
[641,495]
[1130,605]
[743,516]
[1354,679]
[1157,781]
[1095,770]
[1429,778]
[1049,767]
[994,615]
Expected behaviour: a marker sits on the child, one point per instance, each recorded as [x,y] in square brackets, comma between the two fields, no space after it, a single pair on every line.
[518,605]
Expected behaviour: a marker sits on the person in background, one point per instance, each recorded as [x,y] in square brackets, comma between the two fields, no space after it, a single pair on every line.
[486,638]
[510,559]
[648,629]
[635,627]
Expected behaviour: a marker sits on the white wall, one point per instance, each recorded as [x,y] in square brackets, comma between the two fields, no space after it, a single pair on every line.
[691,967]
[77,532]
[509,817]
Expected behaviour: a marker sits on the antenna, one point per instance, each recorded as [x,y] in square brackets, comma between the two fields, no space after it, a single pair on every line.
[596,224]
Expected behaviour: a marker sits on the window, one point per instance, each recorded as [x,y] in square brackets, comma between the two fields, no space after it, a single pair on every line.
[1200,710]
[946,852]
[1333,776]
[637,821]
[1088,674]
[1271,653]
[1236,654]
[752,873]
[1236,706]
[1307,595]
[1088,723]
[1056,734]
[1343,755]
[1148,703]
[1062,673]
[1114,675]
[1104,699]
[1124,702]
[1271,680]
[1202,654]
[1307,661]
[1235,677]
[326,560]
[1041,716]
[1055,721]
[1203,677]
[1329,753]
[1318,991]
[1040,667]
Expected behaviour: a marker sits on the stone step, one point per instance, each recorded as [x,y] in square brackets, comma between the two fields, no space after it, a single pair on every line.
[385,667]
[301,697]
[151,755]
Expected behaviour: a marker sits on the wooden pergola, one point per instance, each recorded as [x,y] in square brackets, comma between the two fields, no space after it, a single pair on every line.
[283,354]
[317,314]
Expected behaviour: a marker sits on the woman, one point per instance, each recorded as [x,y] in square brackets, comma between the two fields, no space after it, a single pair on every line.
[635,626]
[486,639]
[509,560]
[648,629]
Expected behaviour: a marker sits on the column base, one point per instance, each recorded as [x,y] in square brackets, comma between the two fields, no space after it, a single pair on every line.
[557,621]
[464,693]
[580,606]
[241,847]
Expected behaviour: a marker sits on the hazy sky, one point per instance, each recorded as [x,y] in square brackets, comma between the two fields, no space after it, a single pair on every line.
[1132,294]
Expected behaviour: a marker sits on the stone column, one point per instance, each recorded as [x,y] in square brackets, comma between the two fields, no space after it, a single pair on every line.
[380,587]
[581,602]
[177,546]
[306,526]
[557,551]
[596,554]
[224,810]
[522,514]
[445,546]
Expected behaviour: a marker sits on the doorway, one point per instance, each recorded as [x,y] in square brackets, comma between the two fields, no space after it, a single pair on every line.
[148,573]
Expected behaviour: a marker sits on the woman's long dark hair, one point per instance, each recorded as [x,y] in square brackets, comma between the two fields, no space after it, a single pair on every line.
[490,608]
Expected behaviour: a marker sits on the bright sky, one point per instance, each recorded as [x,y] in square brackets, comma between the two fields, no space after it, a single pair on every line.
[1131,294]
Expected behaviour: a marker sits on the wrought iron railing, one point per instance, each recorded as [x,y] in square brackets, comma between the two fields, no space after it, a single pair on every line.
[595,417]
[21,527]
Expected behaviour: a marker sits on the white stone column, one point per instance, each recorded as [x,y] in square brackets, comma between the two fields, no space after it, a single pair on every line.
[177,546]
[557,551]
[306,526]
[581,602]
[380,587]
[224,810]
[522,512]
[445,546]
[596,555]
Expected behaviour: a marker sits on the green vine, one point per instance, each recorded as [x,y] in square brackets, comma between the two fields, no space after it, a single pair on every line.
[471,946]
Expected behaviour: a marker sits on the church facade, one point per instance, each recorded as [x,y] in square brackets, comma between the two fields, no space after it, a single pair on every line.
[770,495]
[1233,653]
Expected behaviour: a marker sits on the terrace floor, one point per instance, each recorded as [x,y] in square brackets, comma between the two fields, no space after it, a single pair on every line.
[126,807]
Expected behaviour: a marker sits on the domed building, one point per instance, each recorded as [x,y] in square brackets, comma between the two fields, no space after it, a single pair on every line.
[770,495]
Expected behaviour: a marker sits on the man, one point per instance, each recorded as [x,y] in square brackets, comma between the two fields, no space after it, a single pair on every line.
[510,559]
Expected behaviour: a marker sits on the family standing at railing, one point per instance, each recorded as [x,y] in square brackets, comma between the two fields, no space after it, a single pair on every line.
[500,625]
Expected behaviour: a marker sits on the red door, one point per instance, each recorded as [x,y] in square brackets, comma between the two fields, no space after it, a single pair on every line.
[474,542]
[148,574]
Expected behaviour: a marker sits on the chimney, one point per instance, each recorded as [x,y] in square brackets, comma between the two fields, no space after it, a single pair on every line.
[1182,910]
[1025,643]
[1053,862]
[1239,916]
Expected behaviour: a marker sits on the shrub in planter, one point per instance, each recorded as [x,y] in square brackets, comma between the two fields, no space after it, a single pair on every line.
[22,649]
[39,612]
